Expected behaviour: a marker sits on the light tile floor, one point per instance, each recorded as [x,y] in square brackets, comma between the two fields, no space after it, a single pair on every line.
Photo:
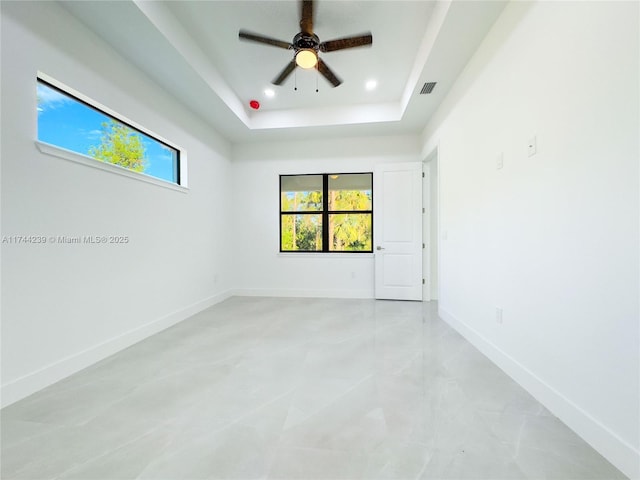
[294,389]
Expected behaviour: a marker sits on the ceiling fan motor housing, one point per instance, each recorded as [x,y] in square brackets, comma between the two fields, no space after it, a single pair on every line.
[306,41]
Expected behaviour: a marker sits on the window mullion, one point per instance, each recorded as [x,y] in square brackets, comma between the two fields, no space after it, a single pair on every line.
[325,213]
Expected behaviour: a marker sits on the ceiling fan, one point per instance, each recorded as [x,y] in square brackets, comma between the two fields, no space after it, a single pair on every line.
[306,46]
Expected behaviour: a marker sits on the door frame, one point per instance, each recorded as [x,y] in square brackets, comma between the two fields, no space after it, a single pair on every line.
[431,228]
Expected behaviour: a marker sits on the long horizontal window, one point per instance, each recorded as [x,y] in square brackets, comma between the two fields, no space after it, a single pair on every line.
[67,122]
[326,212]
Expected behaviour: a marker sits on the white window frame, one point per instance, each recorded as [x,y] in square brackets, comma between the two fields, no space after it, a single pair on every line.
[59,152]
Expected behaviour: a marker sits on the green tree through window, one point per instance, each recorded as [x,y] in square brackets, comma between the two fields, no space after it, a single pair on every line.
[121,145]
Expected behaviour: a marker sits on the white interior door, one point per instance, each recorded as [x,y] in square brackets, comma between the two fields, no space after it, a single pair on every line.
[397,231]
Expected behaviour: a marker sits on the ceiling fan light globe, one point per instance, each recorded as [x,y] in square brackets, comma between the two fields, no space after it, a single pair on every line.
[306,58]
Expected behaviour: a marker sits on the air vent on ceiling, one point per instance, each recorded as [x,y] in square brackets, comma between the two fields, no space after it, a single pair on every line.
[427,88]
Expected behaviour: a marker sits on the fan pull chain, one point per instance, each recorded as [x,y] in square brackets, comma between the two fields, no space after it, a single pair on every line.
[318,73]
[295,80]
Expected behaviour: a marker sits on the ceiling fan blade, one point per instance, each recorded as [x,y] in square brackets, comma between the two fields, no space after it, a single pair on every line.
[328,73]
[306,16]
[348,42]
[285,73]
[253,37]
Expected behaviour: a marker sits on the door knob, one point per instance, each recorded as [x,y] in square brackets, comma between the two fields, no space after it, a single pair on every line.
[379,248]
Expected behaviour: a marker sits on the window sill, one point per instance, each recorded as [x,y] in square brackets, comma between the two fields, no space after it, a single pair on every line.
[335,255]
[65,154]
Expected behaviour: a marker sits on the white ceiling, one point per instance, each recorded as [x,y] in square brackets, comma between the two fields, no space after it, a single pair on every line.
[191,48]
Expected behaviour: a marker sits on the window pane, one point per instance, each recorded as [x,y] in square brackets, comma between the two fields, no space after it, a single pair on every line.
[350,191]
[301,193]
[301,233]
[66,122]
[350,232]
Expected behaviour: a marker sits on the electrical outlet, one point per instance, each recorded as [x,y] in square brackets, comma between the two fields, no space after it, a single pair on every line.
[532,148]
[499,315]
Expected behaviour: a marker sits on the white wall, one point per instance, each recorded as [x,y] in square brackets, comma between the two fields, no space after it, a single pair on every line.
[66,306]
[259,267]
[552,239]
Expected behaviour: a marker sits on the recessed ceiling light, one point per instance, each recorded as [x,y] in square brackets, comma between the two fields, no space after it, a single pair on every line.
[371,85]
[269,93]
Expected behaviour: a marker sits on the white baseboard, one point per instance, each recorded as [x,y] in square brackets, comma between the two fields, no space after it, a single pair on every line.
[303,293]
[26,385]
[620,453]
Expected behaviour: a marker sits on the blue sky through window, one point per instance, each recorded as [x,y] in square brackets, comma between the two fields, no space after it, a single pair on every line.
[68,123]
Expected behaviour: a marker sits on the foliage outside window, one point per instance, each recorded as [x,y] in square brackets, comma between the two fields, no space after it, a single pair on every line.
[73,124]
[326,212]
